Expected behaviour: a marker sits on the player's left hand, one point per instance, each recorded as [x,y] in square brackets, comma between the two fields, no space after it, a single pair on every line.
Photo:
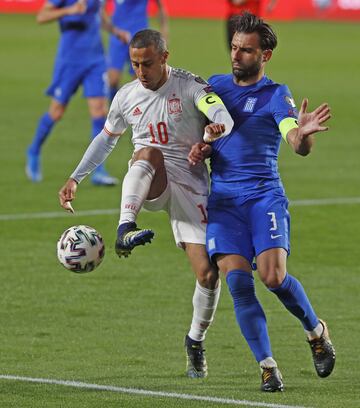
[312,122]
[199,152]
[122,35]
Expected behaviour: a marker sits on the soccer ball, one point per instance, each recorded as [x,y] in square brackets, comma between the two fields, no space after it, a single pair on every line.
[80,249]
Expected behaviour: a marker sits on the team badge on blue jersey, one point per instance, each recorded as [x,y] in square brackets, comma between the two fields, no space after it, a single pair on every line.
[249,105]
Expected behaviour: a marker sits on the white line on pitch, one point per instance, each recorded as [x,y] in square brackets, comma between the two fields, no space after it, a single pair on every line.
[111,211]
[146,393]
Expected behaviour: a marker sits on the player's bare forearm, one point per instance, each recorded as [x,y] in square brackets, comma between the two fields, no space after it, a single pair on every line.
[300,143]
[163,20]
[198,153]
[50,13]
[107,25]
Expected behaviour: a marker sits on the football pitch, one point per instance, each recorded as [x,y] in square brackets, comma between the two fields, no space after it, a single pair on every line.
[114,337]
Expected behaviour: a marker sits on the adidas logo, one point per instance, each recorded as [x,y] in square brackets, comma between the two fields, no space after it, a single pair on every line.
[137,111]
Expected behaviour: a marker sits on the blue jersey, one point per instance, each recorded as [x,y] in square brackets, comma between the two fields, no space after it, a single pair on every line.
[80,41]
[130,15]
[244,163]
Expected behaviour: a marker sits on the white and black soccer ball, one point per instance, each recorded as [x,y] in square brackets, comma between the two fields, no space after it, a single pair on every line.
[80,249]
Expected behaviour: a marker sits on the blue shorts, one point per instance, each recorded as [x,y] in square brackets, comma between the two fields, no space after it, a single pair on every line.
[67,79]
[248,227]
[118,55]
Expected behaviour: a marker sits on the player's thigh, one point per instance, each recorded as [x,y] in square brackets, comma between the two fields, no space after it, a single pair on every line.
[188,217]
[160,202]
[155,157]
[118,54]
[95,80]
[270,223]
[228,232]
[66,81]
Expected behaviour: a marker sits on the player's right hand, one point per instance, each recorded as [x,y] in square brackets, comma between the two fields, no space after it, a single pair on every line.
[67,194]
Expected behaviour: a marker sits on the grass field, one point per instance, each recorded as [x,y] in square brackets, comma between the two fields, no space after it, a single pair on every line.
[123,325]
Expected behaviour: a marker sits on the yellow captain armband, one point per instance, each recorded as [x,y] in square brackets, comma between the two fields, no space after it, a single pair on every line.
[207,101]
[286,125]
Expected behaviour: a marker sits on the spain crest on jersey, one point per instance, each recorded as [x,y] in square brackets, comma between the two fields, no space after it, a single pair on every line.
[174,105]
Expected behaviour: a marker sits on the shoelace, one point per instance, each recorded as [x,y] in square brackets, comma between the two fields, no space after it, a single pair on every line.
[129,235]
[267,373]
[317,346]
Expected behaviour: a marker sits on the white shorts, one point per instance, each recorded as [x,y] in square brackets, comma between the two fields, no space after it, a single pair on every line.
[187,212]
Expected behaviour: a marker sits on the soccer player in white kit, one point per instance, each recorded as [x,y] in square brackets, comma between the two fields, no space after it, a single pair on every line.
[168,110]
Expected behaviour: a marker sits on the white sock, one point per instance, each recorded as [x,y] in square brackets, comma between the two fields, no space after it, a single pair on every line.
[316,332]
[268,362]
[135,189]
[205,303]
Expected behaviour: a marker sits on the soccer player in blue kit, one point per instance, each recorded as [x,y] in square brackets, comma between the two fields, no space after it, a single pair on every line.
[248,209]
[129,15]
[80,60]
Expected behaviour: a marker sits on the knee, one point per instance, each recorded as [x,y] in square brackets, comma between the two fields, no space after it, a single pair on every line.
[208,277]
[56,114]
[273,277]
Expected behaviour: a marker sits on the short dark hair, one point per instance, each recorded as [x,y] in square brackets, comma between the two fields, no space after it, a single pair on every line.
[147,38]
[249,23]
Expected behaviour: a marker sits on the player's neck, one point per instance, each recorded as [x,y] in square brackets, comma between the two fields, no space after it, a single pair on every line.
[249,81]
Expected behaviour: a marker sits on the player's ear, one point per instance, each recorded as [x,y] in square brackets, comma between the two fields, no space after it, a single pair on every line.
[266,55]
[164,57]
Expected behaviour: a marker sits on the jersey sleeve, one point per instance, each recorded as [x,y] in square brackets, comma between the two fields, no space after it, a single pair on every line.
[57,3]
[198,88]
[284,110]
[116,123]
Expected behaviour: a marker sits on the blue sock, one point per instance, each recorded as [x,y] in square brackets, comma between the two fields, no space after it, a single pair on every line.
[249,313]
[97,127]
[292,294]
[112,92]
[43,130]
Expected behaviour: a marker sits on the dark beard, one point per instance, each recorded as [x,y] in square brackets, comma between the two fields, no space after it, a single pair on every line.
[243,74]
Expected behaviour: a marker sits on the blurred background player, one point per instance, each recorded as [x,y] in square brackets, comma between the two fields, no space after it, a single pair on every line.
[237,7]
[167,109]
[80,60]
[129,15]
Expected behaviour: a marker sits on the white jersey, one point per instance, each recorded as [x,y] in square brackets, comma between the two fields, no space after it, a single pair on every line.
[167,119]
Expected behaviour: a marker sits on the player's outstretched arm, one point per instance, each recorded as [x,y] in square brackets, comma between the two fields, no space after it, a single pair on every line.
[96,153]
[50,13]
[107,25]
[301,138]
[163,20]
[67,194]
